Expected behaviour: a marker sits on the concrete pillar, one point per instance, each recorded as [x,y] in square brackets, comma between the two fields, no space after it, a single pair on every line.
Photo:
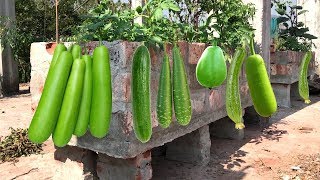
[191,148]
[282,93]
[137,168]
[261,23]
[225,128]
[252,117]
[9,74]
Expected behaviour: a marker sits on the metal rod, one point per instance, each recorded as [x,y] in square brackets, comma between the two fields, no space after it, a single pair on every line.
[57,23]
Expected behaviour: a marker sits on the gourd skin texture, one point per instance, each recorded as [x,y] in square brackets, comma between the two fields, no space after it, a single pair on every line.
[233,101]
[140,93]
[303,77]
[47,113]
[211,70]
[76,51]
[85,106]
[164,100]
[57,51]
[261,91]
[101,107]
[181,92]
[70,107]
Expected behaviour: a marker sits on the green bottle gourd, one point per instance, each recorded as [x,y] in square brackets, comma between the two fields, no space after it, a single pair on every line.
[211,70]
[181,91]
[70,106]
[140,93]
[85,106]
[233,100]
[164,99]
[303,77]
[101,103]
[76,51]
[47,112]
[261,91]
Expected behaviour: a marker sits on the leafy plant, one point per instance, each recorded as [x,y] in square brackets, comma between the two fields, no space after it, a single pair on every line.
[115,21]
[225,21]
[293,35]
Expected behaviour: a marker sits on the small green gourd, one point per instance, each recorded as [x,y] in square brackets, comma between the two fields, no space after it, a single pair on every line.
[233,100]
[303,77]
[164,99]
[140,94]
[181,91]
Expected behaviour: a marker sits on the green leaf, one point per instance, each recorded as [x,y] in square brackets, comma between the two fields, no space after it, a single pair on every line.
[158,14]
[282,19]
[296,7]
[107,27]
[281,11]
[302,12]
[300,24]
[309,36]
[173,7]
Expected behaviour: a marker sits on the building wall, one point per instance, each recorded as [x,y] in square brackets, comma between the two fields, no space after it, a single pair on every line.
[261,23]
[312,20]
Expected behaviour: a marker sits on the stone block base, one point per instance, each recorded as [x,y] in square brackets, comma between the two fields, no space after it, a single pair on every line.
[138,168]
[252,117]
[282,93]
[225,128]
[191,148]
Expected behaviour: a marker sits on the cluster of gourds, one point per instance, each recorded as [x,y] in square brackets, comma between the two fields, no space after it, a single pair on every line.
[76,95]
[140,88]
[212,71]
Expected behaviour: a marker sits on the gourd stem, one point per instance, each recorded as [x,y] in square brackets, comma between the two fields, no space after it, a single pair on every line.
[214,42]
[100,41]
[252,46]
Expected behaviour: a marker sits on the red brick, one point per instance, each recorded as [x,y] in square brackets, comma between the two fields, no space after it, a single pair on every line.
[198,101]
[195,52]
[128,123]
[129,48]
[217,98]
[121,88]
[50,47]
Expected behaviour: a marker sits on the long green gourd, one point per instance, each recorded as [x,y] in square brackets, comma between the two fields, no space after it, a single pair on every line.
[101,107]
[164,99]
[70,107]
[85,106]
[181,91]
[261,91]
[303,77]
[76,51]
[47,113]
[233,100]
[140,94]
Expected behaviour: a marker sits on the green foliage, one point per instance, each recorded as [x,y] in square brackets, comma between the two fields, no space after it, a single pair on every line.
[35,22]
[294,34]
[229,19]
[115,21]
[171,20]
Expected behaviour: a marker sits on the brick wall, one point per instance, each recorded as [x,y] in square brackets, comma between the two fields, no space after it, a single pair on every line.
[208,105]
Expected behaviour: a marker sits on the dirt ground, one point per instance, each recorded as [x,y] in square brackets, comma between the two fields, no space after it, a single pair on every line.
[287,149]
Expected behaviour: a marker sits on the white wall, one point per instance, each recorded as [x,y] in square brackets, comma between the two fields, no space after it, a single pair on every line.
[312,20]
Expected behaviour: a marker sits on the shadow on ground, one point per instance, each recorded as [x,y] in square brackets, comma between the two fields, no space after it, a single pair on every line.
[225,153]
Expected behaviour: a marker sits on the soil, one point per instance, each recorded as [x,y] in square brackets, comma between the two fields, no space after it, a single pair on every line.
[288,149]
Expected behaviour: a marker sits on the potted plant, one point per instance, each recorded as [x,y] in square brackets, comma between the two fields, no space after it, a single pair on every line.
[291,42]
